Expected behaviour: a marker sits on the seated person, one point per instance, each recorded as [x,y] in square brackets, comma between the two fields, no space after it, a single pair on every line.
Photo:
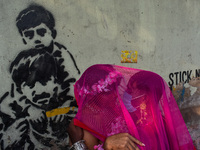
[117,103]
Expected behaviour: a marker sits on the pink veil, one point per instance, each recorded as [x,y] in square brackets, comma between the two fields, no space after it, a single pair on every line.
[114,99]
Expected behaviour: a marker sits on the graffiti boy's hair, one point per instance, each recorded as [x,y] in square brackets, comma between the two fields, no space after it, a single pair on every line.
[33,16]
[31,66]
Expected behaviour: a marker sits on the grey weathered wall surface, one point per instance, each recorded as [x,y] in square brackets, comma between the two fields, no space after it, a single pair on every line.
[165,34]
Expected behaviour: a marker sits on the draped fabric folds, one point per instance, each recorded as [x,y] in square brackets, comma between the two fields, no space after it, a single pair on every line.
[114,99]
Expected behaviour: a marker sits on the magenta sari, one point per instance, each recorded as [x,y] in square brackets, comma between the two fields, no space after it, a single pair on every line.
[114,99]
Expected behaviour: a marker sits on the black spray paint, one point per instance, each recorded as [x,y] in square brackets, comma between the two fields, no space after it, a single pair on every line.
[40,65]
[182,77]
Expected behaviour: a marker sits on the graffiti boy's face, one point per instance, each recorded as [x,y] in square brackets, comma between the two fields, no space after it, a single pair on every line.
[40,95]
[38,37]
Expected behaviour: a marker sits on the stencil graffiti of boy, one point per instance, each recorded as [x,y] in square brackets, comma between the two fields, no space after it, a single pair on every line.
[43,77]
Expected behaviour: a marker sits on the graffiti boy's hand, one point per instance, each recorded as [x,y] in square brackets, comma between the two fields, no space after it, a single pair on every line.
[75,133]
[15,132]
[58,118]
[122,141]
[23,127]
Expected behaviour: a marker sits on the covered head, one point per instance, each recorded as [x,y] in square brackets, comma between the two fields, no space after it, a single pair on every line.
[114,99]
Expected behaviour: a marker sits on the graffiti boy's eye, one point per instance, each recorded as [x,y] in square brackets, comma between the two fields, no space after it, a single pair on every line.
[41,32]
[29,34]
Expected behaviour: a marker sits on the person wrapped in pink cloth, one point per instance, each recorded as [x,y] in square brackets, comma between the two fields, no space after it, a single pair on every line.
[126,108]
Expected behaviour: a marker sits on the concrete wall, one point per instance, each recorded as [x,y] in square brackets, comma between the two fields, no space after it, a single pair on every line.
[165,35]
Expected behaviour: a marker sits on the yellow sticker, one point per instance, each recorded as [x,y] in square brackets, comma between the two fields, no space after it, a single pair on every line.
[129,56]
